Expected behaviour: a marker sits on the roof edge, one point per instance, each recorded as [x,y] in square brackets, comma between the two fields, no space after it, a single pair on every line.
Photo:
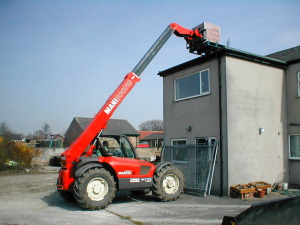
[213,49]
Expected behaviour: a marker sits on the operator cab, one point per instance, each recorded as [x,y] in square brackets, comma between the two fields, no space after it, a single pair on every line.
[114,145]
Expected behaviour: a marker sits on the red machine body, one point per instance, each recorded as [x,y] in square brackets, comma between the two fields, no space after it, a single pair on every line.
[128,171]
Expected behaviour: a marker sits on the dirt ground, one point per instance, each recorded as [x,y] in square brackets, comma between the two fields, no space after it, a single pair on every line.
[33,199]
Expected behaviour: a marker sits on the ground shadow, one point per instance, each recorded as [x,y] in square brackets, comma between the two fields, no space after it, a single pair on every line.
[54,199]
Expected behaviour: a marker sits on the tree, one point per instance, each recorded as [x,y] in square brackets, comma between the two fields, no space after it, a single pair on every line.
[4,128]
[152,125]
[15,155]
[39,134]
[46,128]
[7,133]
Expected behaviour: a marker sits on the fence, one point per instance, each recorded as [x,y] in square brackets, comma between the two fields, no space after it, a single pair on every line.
[197,163]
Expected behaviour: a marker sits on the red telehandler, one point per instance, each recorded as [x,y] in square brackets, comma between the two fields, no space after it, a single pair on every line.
[92,172]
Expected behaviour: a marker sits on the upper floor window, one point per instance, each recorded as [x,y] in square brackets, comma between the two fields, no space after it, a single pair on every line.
[298,82]
[192,85]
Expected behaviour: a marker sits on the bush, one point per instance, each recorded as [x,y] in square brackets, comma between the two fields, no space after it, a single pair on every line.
[15,155]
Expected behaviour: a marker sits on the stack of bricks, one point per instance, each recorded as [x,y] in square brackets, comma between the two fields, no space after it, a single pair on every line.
[212,32]
[242,191]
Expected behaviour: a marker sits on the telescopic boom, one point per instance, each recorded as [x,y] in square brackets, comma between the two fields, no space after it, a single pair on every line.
[99,122]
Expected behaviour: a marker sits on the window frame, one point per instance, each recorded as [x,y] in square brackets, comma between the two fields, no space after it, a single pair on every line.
[172,144]
[290,156]
[210,141]
[201,93]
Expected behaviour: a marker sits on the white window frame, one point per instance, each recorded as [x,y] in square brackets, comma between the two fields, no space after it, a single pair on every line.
[172,144]
[290,156]
[298,83]
[200,85]
[209,140]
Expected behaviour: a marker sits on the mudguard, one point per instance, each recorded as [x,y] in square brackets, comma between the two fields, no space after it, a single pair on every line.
[161,165]
[84,168]
[84,164]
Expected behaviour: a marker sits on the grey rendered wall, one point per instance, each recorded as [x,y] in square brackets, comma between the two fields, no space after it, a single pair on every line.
[255,99]
[201,113]
[293,111]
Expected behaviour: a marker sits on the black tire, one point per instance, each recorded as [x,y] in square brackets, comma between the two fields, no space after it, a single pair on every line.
[168,183]
[67,195]
[95,189]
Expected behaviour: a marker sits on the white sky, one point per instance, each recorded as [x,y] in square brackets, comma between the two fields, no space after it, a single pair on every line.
[63,58]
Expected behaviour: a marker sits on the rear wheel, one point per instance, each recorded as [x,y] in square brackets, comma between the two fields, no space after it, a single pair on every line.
[95,189]
[168,183]
[66,195]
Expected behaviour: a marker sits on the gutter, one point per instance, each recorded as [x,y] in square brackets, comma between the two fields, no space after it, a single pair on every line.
[213,50]
[248,55]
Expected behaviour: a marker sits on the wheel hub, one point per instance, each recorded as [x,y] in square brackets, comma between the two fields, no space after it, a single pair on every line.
[97,188]
[170,184]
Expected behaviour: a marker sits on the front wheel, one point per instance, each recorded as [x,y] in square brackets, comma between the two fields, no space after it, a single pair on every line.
[168,183]
[95,189]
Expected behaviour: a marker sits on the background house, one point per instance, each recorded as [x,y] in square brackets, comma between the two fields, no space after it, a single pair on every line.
[114,126]
[247,103]
[153,139]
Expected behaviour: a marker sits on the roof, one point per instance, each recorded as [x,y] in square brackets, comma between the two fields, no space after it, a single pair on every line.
[213,50]
[154,136]
[146,133]
[289,55]
[114,126]
[83,122]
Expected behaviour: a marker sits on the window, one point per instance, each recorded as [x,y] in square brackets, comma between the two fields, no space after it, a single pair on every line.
[206,144]
[118,146]
[179,151]
[126,148]
[294,146]
[192,85]
[298,82]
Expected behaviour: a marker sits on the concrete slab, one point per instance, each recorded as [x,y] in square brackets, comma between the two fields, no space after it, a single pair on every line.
[33,199]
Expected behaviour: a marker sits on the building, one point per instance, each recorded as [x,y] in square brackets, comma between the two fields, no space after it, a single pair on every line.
[292,78]
[151,139]
[114,126]
[248,103]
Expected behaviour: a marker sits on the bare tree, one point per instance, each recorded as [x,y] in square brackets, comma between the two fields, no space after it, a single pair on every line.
[152,125]
[39,134]
[46,128]
[8,134]
[4,128]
